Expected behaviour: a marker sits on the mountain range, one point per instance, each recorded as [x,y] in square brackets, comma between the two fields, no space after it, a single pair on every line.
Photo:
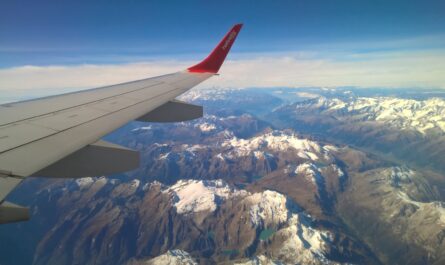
[263,178]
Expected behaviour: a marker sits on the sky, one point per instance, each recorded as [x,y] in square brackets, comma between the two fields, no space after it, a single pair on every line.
[59,45]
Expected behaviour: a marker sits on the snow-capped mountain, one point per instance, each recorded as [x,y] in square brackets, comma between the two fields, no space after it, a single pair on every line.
[403,198]
[181,257]
[419,115]
[301,242]
[258,260]
[277,141]
[171,257]
[232,100]
[233,189]
[236,222]
[406,129]
[309,162]
[192,196]
[208,94]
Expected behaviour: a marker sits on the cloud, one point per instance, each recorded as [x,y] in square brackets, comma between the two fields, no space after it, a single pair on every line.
[413,69]
[381,69]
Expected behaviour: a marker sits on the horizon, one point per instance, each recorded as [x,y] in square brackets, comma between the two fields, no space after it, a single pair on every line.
[68,45]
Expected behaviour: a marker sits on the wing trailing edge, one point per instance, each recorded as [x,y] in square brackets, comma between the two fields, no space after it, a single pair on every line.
[7,183]
[10,213]
[97,159]
[173,111]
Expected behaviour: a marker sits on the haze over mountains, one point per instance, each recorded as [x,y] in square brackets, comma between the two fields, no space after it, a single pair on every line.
[394,127]
[282,176]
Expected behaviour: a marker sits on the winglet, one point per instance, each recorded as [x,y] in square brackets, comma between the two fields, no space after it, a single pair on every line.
[213,62]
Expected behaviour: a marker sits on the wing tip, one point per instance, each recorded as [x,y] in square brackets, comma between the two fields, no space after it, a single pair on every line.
[212,63]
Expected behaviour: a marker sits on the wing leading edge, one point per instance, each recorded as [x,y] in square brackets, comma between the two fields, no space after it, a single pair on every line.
[56,136]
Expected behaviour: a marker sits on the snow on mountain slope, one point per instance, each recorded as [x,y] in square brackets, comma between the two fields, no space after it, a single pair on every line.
[309,170]
[262,154]
[181,257]
[206,127]
[403,202]
[297,240]
[192,196]
[171,257]
[300,243]
[407,185]
[303,244]
[84,182]
[207,94]
[277,141]
[258,260]
[285,233]
[420,115]
[267,208]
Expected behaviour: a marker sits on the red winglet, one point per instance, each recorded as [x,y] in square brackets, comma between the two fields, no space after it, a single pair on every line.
[213,62]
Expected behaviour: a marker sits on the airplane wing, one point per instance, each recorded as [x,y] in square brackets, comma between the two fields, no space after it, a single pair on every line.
[60,136]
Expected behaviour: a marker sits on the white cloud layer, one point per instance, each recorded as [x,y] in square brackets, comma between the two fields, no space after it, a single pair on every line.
[390,69]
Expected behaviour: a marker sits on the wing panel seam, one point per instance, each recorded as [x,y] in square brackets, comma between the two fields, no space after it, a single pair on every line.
[80,105]
[49,135]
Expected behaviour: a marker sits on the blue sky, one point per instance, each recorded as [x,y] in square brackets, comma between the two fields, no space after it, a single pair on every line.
[50,32]
[72,33]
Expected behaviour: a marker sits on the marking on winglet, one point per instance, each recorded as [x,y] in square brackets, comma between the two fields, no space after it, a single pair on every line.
[231,37]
